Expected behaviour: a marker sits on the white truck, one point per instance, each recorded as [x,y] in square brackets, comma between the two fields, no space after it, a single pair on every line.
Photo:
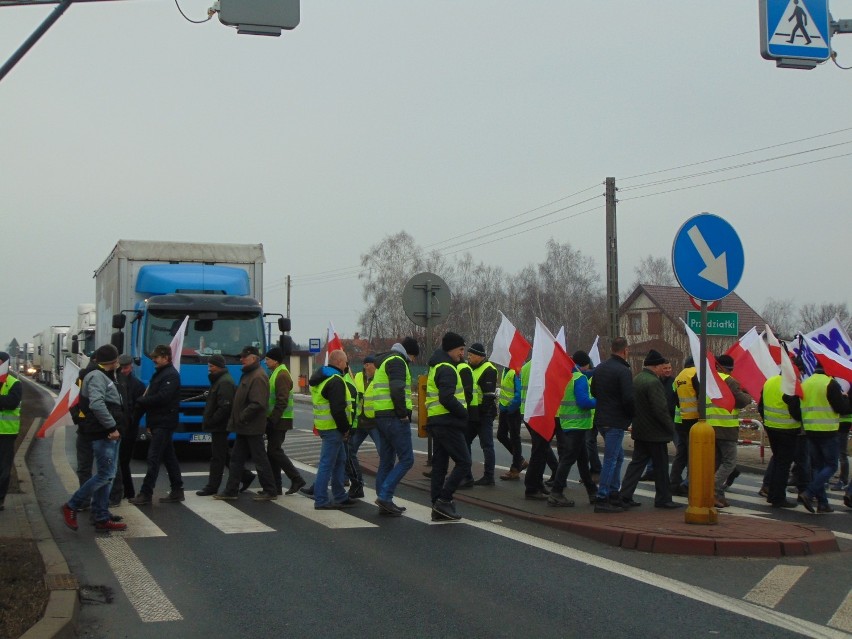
[81,336]
[157,284]
[49,355]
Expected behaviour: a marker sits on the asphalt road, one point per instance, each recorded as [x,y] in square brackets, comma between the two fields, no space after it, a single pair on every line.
[203,568]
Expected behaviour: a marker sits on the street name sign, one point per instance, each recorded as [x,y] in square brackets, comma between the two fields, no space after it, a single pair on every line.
[707,257]
[718,322]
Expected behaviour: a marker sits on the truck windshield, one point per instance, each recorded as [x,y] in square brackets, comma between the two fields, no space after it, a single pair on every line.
[228,335]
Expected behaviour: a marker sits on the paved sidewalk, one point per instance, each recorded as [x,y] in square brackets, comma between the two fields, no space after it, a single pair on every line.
[644,528]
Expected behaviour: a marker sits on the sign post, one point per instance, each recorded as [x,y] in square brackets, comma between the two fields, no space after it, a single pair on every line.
[708,261]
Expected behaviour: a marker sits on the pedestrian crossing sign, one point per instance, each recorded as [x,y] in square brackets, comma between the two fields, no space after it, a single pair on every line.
[795,29]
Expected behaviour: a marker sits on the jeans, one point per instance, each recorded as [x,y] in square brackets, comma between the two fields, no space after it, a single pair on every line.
[161,449]
[485,431]
[509,434]
[824,459]
[356,438]
[395,437]
[97,487]
[449,443]
[7,457]
[332,465]
[643,452]
[610,479]
[726,462]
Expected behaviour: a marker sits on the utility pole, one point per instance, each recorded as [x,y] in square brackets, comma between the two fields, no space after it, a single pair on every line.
[611,260]
[288,296]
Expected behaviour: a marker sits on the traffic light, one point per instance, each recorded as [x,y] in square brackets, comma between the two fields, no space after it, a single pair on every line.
[259,17]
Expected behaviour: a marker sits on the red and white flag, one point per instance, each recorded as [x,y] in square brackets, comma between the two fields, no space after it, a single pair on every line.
[790,383]
[332,341]
[717,389]
[595,353]
[69,394]
[833,364]
[753,362]
[550,371]
[177,344]
[510,349]
[4,371]
[774,345]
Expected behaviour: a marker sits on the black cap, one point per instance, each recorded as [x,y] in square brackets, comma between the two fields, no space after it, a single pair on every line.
[249,350]
[275,353]
[410,346]
[451,340]
[654,358]
[725,361]
[581,358]
[476,349]
[106,354]
[217,360]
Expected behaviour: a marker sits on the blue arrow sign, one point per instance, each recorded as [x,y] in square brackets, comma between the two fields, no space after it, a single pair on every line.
[795,29]
[707,257]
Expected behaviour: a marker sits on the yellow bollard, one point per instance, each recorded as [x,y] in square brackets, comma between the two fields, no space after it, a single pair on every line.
[702,469]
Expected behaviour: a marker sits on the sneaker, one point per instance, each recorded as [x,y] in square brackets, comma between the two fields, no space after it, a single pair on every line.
[111,518]
[205,492]
[837,486]
[807,501]
[296,485]
[558,499]
[141,500]
[606,506]
[245,483]
[174,496]
[225,497]
[512,475]
[264,495]
[446,508]
[69,515]
[109,525]
[824,508]
[484,481]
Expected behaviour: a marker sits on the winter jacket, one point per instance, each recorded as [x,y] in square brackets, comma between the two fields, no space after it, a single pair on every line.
[445,380]
[220,398]
[104,412]
[612,387]
[248,412]
[651,419]
[161,402]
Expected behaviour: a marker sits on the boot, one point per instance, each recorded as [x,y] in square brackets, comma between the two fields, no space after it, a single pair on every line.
[512,475]
[172,497]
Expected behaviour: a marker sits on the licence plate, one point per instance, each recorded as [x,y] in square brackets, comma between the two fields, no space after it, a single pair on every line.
[201,437]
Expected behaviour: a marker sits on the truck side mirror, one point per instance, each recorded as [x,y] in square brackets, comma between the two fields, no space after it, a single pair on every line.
[286,344]
[284,324]
[75,345]
[117,340]
[118,320]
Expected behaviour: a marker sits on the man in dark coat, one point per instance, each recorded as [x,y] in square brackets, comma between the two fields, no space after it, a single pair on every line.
[653,429]
[161,405]
[130,389]
[217,412]
[248,421]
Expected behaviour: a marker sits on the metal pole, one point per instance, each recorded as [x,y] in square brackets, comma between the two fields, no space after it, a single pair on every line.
[702,366]
[611,260]
[288,296]
[29,43]
[428,291]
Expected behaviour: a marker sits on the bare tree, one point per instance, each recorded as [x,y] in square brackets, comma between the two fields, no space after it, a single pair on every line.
[780,315]
[653,270]
[812,316]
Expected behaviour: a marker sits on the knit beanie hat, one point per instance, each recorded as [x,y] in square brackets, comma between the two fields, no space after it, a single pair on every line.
[410,346]
[654,359]
[476,349]
[581,358]
[217,360]
[275,353]
[451,340]
[106,354]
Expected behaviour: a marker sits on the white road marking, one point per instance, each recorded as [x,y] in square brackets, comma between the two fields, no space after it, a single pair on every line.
[775,585]
[67,476]
[843,617]
[680,588]
[329,518]
[223,516]
[142,591]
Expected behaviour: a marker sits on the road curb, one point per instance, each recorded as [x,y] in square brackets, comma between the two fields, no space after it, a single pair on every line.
[59,620]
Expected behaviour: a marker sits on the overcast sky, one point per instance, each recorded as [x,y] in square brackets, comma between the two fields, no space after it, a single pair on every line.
[442,118]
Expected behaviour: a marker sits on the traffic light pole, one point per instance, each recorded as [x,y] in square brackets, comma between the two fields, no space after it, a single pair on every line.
[35,37]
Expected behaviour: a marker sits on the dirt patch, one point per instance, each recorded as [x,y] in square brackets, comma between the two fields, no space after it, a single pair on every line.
[23,595]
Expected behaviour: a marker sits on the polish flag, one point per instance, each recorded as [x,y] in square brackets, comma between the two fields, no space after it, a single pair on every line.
[717,389]
[510,349]
[753,362]
[833,364]
[550,371]
[560,338]
[790,383]
[69,394]
[4,371]
[595,353]
[774,345]
[332,341]
[177,344]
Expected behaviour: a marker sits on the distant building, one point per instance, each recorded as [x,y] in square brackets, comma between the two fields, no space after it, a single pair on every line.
[650,319]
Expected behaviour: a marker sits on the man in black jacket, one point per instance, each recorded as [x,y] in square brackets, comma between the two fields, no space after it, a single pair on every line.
[446,422]
[161,405]
[612,387]
[217,412]
[130,389]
